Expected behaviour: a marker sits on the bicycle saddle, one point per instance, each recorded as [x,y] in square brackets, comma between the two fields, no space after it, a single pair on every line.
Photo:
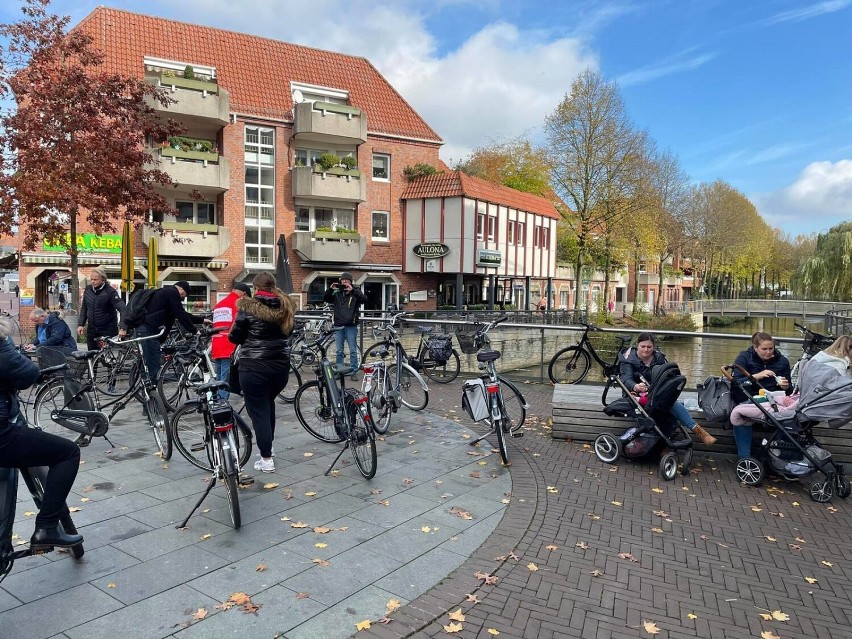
[211,386]
[423,329]
[487,356]
[341,371]
[81,355]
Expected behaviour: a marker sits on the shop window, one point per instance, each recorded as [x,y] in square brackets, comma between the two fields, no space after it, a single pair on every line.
[381,167]
[381,226]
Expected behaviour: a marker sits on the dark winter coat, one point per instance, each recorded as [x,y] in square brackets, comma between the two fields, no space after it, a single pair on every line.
[57,334]
[750,360]
[345,304]
[100,309]
[17,372]
[632,367]
[262,330]
[164,308]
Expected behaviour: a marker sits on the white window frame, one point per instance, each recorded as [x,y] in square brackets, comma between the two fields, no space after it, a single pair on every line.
[480,226]
[387,167]
[520,235]
[348,216]
[265,211]
[492,227]
[195,211]
[380,238]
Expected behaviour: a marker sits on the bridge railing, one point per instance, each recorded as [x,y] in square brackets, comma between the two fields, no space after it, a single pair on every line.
[776,308]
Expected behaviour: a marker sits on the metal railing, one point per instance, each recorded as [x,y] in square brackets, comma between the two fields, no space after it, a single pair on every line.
[774,308]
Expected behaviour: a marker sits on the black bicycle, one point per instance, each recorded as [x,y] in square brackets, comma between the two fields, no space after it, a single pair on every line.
[571,364]
[812,343]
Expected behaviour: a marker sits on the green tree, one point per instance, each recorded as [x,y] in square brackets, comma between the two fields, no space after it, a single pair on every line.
[827,274]
[515,163]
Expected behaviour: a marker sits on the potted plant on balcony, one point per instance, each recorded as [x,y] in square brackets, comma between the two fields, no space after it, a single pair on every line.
[327,161]
[338,233]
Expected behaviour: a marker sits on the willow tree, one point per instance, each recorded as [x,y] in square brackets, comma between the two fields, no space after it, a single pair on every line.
[827,274]
[72,141]
[592,144]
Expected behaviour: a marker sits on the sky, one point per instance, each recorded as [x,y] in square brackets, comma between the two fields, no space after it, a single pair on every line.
[756,93]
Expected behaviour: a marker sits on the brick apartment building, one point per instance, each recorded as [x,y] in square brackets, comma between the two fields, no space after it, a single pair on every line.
[259,117]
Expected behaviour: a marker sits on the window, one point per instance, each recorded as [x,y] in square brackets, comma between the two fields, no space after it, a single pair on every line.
[492,227]
[381,226]
[310,218]
[309,157]
[510,233]
[196,212]
[521,234]
[480,226]
[318,287]
[381,166]
[541,237]
[259,195]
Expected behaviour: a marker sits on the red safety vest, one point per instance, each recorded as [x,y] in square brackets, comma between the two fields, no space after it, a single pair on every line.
[224,314]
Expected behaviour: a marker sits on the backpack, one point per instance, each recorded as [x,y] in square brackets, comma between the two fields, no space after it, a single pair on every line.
[715,399]
[137,307]
[440,348]
[667,382]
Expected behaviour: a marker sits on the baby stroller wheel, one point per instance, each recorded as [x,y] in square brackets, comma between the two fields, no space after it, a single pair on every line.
[821,491]
[842,487]
[668,466]
[607,448]
[750,471]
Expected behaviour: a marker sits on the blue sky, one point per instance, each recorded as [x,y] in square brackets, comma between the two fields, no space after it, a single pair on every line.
[757,93]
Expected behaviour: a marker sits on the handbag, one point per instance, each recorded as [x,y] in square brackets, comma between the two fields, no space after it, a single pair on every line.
[716,399]
[234,373]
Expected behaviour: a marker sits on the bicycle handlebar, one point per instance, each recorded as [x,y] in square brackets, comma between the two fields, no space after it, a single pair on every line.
[118,341]
[324,336]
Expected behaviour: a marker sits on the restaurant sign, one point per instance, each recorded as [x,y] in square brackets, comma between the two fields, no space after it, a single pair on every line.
[431,250]
[488,259]
[88,242]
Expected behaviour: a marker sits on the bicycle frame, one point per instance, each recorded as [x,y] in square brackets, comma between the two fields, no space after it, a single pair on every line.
[400,355]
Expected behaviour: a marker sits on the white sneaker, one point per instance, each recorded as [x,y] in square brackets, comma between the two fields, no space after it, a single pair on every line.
[264,465]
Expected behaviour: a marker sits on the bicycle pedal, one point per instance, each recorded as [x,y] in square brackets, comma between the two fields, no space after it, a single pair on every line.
[517,435]
[82,441]
[246,480]
[197,448]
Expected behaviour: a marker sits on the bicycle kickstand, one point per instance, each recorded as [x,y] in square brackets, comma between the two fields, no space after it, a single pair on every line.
[342,450]
[210,485]
[479,439]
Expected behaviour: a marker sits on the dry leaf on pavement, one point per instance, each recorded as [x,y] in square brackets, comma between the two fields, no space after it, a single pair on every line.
[322,529]
[200,614]
[322,562]
[493,631]
[299,524]
[650,627]
[363,625]
[811,580]
[532,567]
[692,615]
[456,615]
[260,567]
[472,599]
[392,605]
[627,555]
[453,628]
[551,547]
[596,573]
[582,544]
[270,486]
[768,634]
[302,595]
[777,615]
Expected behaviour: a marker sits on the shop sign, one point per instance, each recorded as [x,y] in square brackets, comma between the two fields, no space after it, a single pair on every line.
[89,242]
[488,259]
[431,250]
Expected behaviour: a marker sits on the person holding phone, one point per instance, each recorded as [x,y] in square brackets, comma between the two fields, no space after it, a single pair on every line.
[346,300]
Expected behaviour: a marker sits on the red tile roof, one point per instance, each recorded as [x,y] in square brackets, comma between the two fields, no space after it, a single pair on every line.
[256,71]
[457,183]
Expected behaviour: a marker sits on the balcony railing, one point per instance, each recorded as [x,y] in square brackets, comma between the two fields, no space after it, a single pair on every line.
[207,172]
[328,122]
[333,184]
[190,240]
[326,246]
[194,101]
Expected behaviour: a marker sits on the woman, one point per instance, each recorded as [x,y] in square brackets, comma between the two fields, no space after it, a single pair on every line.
[837,355]
[762,362]
[23,447]
[263,324]
[636,370]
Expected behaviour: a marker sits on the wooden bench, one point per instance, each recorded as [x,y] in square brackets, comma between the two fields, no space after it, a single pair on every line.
[578,415]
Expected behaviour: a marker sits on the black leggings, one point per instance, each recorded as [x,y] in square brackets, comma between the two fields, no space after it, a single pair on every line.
[22,447]
[260,391]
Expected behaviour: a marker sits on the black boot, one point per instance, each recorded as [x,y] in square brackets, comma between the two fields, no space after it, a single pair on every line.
[46,538]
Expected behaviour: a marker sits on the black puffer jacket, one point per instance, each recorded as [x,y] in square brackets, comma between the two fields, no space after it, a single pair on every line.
[100,308]
[166,306]
[262,328]
[750,360]
[346,304]
[16,373]
[632,367]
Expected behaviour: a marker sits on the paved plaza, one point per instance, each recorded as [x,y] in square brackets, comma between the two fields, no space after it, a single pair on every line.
[557,545]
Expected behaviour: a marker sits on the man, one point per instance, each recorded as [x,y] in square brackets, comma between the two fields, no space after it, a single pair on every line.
[51,330]
[100,309]
[162,310]
[222,349]
[346,299]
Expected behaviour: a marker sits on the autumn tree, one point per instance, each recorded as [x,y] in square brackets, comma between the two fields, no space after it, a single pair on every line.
[592,144]
[515,163]
[827,274]
[73,143]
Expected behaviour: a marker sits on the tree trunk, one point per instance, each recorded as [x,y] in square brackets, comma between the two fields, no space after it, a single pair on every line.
[660,284]
[578,273]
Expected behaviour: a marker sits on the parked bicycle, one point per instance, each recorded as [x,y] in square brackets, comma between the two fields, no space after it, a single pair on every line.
[376,385]
[812,344]
[436,357]
[224,453]
[65,403]
[485,398]
[571,364]
[333,413]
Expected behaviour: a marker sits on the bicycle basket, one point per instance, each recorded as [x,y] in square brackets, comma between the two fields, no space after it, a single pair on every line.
[470,343]
[48,357]
[440,348]
[814,343]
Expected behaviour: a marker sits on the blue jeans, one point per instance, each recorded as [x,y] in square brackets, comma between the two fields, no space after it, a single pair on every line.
[681,414]
[150,351]
[742,438]
[349,334]
[222,369]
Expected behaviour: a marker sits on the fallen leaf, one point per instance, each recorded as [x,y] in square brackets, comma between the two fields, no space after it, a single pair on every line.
[800,540]
[363,625]
[110,585]
[661,513]
[206,537]
[827,563]
[596,573]
[457,615]
[285,519]
[692,615]
[657,530]
[650,627]
[795,503]
[309,454]
[310,494]
[532,567]
[492,631]
[407,480]
[322,562]
[302,595]
[322,530]
[755,509]
[453,627]
[75,509]
[384,502]
[85,499]
[551,547]
[200,614]
[30,513]
[766,616]
[627,555]
[615,503]
[393,605]
[770,538]
[260,567]
[472,599]
[794,546]
[239,598]
[299,524]
[811,580]
[777,615]
[768,634]
[657,490]
[320,546]
[488,579]
[270,486]
[426,529]
[582,545]
[376,491]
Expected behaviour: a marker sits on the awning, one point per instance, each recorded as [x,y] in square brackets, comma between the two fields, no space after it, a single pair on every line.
[62,259]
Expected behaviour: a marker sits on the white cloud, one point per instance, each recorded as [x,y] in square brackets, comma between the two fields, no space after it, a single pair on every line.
[679,63]
[820,197]
[811,11]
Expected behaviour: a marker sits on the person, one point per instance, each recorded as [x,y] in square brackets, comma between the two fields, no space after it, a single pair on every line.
[346,299]
[221,348]
[610,306]
[17,290]
[760,361]
[837,355]
[163,309]
[61,300]
[262,328]
[51,330]
[23,447]
[542,304]
[100,309]
[636,370]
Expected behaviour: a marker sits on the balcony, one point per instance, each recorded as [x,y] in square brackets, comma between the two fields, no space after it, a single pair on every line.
[204,171]
[323,246]
[327,122]
[654,278]
[196,103]
[190,240]
[334,184]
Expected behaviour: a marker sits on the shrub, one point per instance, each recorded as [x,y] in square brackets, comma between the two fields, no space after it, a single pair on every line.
[189,72]
[727,320]
[328,161]
[418,170]
[349,163]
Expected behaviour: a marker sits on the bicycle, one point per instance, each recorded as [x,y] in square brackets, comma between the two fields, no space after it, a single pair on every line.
[332,413]
[224,455]
[571,364]
[441,371]
[384,401]
[812,343]
[64,403]
[484,398]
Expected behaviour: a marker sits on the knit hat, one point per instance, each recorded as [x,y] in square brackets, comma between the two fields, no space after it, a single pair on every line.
[241,286]
[347,276]
[184,285]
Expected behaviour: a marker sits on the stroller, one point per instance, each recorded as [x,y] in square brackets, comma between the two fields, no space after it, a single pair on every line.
[792,451]
[656,430]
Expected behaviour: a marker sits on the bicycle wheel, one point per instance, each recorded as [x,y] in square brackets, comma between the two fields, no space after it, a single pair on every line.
[159,421]
[362,441]
[411,390]
[230,477]
[189,435]
[35,480]
[513,405]
[294,382]
[170,385]
[112,368]
[50,399]
[438,372]
[499,428]
[380,405]
[296,352]
[314,412]
[569,366]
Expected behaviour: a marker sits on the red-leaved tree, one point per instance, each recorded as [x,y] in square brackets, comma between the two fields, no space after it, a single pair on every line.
[72,137]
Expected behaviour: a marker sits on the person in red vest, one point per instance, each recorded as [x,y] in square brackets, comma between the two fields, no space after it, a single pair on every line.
[222,349]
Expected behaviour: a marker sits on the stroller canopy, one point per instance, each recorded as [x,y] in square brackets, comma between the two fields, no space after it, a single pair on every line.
[826,395]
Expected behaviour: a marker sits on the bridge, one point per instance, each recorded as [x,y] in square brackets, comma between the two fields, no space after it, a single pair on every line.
[770,308]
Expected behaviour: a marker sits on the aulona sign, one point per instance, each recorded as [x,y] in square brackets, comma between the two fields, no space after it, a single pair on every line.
[488,259]
[431,250]
[88,242]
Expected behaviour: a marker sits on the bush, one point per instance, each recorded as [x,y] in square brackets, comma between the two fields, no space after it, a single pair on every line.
[447,307]
[189,72]
[672,322]
[723,321]
[418,170]
[349,163]
[328,161]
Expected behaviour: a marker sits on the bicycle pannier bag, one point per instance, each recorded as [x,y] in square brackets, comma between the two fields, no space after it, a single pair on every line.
[715,399]
[137,307]
[440,348]
[474,399]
